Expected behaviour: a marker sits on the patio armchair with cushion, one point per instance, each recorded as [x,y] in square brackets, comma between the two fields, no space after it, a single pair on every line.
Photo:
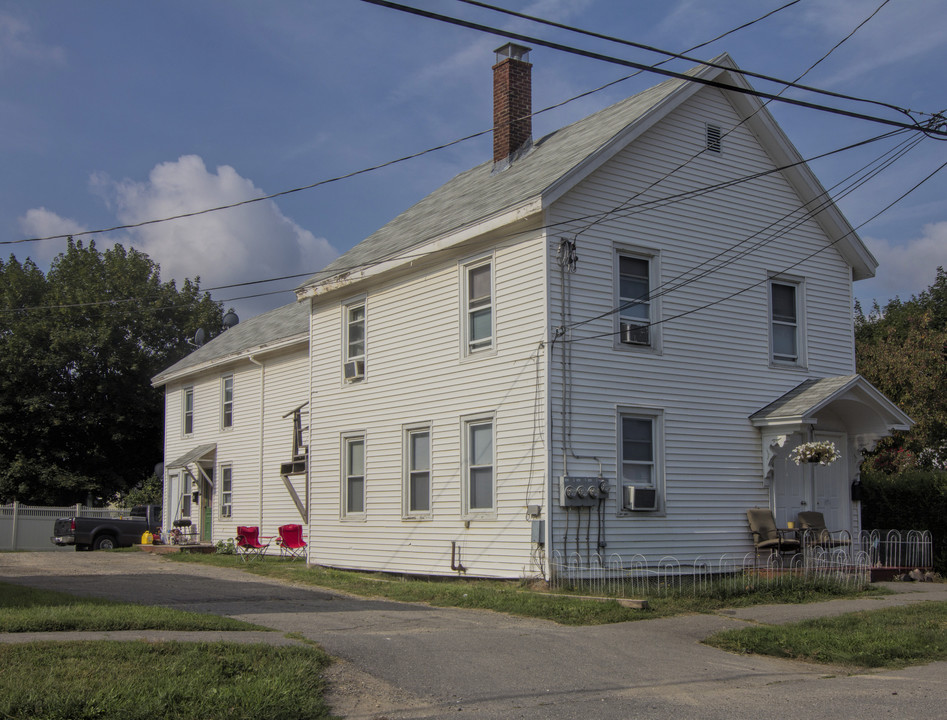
[814,532]
[766,536]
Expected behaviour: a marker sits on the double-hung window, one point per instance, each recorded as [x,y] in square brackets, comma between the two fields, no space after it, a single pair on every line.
[226,401]
[417,444]
[641,459]
[353,475]
[636,308]
[354,342]
[226,491]
[187,403]
[786,323]
[479,467]
[478,306]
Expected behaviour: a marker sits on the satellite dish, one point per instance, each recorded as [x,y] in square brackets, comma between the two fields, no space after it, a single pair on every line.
[230,319]
[200,337]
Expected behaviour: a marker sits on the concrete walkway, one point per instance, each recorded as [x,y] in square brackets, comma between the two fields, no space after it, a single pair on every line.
[399,660]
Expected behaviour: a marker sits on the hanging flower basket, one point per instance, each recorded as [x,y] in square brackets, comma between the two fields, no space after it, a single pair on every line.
[823,452]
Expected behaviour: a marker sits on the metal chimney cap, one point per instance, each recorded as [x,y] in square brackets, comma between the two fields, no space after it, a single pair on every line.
[512,51]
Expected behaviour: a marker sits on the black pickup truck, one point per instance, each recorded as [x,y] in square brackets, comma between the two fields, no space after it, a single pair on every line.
[107,533]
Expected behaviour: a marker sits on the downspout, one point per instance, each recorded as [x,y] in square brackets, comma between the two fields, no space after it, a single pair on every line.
[262,367]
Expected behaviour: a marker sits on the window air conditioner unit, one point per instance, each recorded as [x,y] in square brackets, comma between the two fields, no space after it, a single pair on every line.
[634,334]
[639,498]
[354,370]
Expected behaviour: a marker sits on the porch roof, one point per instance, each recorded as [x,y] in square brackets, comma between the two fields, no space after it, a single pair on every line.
[198,453]
[850,396]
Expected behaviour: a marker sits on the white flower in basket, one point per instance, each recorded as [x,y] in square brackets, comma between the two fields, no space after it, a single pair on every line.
[823,452]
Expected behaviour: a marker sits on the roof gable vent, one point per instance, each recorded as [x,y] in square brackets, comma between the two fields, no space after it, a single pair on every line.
[714,136]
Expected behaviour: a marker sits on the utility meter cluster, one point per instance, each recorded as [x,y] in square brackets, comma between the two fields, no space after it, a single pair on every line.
[582,491]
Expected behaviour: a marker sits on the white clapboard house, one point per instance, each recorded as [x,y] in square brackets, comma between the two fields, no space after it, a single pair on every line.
[607,339]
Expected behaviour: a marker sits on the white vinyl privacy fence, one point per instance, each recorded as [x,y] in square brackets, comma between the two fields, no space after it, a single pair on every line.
[27,527]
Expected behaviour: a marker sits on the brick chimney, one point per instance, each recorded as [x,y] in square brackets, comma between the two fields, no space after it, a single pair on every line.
[512,101]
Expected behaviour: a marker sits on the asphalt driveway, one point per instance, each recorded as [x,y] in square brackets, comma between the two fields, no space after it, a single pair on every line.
[400,660]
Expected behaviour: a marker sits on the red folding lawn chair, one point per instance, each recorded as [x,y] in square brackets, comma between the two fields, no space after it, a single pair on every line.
[248,542]
[290,541]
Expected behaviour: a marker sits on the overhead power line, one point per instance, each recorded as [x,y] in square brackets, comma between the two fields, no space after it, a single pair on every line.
[935,130]
[683,56]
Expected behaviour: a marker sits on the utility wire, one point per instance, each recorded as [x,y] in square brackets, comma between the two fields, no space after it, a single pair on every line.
[684,56]
[647,68]
[784,270]
[642,207]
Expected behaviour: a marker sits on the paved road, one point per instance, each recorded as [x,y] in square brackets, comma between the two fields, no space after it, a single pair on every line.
[404,661]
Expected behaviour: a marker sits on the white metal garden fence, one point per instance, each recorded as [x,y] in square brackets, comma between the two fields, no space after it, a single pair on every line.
[29,527]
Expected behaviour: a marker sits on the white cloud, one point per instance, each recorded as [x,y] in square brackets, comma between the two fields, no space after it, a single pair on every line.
[905,269]
[250,242]
[17,44]
[40,222]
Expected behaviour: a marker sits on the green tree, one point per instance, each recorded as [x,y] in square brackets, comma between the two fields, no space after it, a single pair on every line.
[78,348]
[901,349]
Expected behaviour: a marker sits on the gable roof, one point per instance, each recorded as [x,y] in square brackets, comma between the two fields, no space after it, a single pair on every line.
[561,159]
[801,404]
[285,325]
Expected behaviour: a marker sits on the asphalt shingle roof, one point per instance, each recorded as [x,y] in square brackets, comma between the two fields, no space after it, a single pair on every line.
[480,193]
[802,399]
[258,332]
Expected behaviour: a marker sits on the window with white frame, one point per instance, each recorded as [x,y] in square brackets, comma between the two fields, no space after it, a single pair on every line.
[187,405]
[417,462]
[226,491]
[478,306]
[185,488]
[226,401]
[353,475]
[479,467]
[786,347]
[354,342]
[641,470]
[636,309]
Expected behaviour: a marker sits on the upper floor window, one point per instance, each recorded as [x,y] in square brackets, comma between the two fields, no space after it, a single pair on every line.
[479,463]
[187,404]
[636,309]
[478,306]
[786,323]
[226,401]
[353,475]
[226,491]
[417,471]
[354,342]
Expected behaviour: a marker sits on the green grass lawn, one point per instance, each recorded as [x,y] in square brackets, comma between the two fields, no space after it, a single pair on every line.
[110,680]
[890,638]
[519,598]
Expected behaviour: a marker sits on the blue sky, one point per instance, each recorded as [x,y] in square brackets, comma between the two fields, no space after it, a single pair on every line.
[116,112]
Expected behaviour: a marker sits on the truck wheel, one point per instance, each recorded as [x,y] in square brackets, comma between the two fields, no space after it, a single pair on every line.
[104,542]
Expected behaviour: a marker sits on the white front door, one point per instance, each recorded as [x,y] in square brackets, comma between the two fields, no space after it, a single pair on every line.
[807,487]
[830,486]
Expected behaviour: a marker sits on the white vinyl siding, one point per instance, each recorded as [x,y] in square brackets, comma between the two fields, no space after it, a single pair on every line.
[442,385]
[254,447]
[715,367]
